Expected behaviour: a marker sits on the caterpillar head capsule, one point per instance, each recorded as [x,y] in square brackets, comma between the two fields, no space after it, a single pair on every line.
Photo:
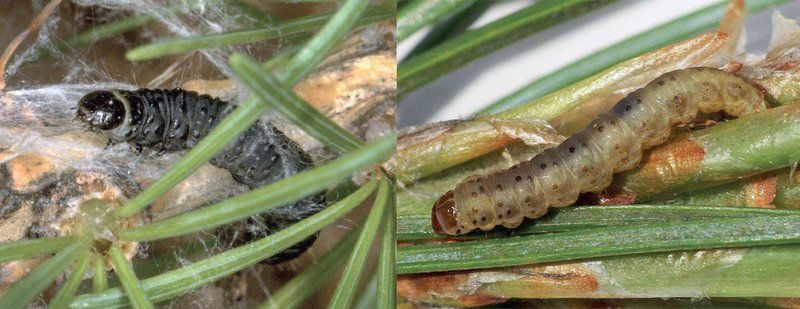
[101,109]
[108,111]
[444,215]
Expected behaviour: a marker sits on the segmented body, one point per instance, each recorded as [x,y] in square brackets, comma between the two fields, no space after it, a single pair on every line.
[177,119]
[586,161]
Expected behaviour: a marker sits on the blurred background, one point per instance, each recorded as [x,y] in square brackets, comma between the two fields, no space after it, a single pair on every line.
[464,91]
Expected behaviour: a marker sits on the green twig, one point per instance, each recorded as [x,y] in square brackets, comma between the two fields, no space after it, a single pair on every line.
[131,285]
[177,282]
[270,196]
[323,43]
[702,20]
[452,27]
[420,13]
[225,132]
[302,114]
[418,227]
[367,298]
[234,124]
[294,293]
[387,281]
[343,296]
[30,248]
[23,291]
[250,110]
[100,278]
[600,242]
[67,290]
[728,152]
[471,45]
[275,30]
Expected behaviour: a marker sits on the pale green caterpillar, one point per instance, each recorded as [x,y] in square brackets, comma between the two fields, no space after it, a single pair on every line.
[585,161]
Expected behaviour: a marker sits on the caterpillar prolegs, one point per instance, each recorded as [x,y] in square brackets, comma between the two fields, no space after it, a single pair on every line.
[586,161]
[177,119]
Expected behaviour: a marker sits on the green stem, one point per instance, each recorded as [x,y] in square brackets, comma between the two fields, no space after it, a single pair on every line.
[420,13]
[225,132]
[100,278]
[275,30]
[702,20]
[234,124]
[67,291]
[343,296]
[418,227]
[728,152]
[23,291]
[471,45]
[451,28]
[30,248]
[294,293]
[177,282]
[599,242]
[387,280]
[131,285]
[302,114]
[270,196]
[250,110]
[323,42]
[763,271]
[753,191]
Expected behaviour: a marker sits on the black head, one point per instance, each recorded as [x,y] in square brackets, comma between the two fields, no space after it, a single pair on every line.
[102,110]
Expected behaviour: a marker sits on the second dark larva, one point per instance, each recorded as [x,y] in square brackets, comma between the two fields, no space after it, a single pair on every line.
[585,161]
[177,119]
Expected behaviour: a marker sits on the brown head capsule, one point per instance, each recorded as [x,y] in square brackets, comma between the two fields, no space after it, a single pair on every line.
[444,215]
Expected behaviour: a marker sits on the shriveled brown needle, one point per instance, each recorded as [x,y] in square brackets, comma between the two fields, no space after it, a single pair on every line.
[34,25]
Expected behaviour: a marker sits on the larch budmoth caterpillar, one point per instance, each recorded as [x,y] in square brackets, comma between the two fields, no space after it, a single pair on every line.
[177,119]
[586,161]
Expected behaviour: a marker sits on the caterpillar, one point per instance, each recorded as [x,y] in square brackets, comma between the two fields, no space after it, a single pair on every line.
[586,161]
[177,119]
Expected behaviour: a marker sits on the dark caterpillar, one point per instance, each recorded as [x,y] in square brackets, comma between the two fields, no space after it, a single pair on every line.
[177,119]
[585,162]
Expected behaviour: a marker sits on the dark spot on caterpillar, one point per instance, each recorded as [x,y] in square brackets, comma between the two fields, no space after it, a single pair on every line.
[474,194]
[499,204]
[612,150]
[499,188]
[175,119]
